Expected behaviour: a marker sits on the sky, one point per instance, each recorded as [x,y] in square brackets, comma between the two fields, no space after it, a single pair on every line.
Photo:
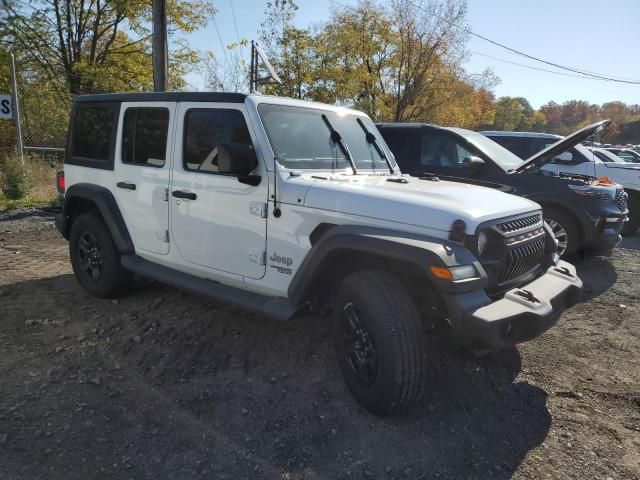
[601,36]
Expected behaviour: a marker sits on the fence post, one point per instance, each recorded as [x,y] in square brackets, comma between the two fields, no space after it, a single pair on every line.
[16,108]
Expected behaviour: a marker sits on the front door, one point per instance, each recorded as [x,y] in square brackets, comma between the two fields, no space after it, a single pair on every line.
[216,221]
[142,166]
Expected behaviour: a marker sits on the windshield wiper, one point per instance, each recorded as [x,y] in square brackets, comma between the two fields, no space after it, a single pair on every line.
[337,139]
[371,139]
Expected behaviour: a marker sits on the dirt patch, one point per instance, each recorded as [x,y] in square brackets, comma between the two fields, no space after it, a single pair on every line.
[163,384]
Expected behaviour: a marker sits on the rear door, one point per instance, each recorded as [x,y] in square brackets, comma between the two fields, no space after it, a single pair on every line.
[216,221]
[142,167]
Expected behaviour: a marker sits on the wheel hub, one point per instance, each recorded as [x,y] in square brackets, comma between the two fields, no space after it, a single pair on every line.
[561,235]
[90,256]
[359,348]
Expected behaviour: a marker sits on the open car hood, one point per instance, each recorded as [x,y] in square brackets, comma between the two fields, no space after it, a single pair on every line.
[545,156]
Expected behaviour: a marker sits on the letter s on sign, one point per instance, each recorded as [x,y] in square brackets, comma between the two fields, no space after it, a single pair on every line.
[5,107]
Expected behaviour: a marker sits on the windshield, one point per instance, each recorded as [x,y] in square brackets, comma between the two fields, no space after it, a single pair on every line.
[496,152]
[607,156]
[300,139]
[589,154]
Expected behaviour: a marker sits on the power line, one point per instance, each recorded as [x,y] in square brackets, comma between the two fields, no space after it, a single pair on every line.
[235,24]
[563,67]
[224,51]
[537,68]
[585,73]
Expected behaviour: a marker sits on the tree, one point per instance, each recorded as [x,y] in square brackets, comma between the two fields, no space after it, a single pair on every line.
[508,114]
[84,46]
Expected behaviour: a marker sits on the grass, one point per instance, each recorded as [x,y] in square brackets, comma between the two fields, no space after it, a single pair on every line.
[41,175]
[7,205]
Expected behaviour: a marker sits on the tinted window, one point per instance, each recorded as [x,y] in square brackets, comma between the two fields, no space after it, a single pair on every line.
[520,146]
[442,151]
[404,143]
[204,130]
[93,132]
[144,138]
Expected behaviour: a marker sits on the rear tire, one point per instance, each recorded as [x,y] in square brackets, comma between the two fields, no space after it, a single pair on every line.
[566,230]
[379,341]
[633,224]
[95,258]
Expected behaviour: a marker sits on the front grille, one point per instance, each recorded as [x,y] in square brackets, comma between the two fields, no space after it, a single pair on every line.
[522,259]
[621,199]
[519,224]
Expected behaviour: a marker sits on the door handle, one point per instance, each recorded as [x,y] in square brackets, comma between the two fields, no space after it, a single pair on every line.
[182,194]
[126,186]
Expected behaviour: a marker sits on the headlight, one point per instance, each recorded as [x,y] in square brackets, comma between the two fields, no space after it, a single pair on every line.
[593,192]
[482,243]
[462,272]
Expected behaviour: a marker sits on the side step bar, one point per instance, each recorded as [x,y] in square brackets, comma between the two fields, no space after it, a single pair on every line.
[278,308]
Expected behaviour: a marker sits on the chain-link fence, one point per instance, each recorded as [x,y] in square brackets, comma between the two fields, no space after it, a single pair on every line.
[44,119]
[43,115]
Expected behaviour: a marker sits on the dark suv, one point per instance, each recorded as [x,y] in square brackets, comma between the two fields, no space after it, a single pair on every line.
[583,212]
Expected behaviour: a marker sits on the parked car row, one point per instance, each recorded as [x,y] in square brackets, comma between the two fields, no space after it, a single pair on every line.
[286,207]
[583,212]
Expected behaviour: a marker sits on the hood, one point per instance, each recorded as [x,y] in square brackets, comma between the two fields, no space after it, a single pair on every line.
[427,203]
[545,156]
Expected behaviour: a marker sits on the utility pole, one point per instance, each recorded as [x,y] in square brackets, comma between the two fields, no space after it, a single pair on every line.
[160,51]
[16,108]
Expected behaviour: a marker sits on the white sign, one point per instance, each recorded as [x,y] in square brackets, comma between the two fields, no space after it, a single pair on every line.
[6,110]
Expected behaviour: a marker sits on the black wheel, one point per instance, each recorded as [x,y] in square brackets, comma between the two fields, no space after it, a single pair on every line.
[565,229]
[95,259]
[633,224]
[379,341]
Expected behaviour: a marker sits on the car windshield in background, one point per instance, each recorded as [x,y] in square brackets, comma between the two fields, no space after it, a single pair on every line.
[301,139]
[590,155]
[496,152]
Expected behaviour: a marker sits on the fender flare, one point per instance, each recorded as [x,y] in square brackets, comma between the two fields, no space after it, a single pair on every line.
[106,205]
[409,248]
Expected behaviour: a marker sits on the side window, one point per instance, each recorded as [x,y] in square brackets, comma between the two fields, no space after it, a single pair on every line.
[204,130]
[442,151]
[144,137]
[403,145]
[92,135]
[520,146]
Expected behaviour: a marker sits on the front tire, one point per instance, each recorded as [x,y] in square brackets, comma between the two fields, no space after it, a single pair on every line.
[379,341]
[95,258]
[565,229]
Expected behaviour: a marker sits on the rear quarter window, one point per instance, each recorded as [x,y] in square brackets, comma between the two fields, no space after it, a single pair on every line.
[93,130]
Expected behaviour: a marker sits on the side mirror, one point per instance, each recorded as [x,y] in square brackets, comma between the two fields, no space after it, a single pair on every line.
[238,159]
[564,157]
[473,162]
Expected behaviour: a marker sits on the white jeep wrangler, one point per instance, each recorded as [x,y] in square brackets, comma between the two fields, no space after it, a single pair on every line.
[284,206]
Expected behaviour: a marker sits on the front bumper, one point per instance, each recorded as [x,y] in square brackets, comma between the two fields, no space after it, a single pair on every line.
[522,314]
[608,232]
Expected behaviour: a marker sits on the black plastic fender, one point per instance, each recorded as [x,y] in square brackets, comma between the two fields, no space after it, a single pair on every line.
[421,251]
[106,205]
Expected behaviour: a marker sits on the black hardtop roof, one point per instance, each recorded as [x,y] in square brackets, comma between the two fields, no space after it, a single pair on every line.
[223,97]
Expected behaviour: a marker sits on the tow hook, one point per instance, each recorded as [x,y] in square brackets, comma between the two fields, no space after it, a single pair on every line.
[564,270]
[527,295]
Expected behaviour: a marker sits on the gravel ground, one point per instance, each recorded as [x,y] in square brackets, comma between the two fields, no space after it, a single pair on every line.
[161,384]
